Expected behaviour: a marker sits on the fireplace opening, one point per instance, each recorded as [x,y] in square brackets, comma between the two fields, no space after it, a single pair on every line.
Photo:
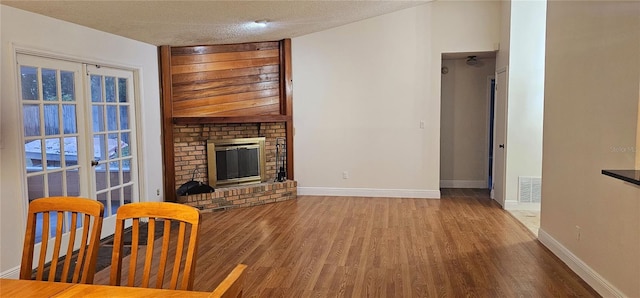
[236,161]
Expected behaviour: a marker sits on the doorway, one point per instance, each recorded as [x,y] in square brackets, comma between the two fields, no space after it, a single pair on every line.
[466,126]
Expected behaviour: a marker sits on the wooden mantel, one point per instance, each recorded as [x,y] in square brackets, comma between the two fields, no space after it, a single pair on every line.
[236,83]
[231,119]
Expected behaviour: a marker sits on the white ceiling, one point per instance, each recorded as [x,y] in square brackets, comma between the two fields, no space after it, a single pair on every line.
[192,22]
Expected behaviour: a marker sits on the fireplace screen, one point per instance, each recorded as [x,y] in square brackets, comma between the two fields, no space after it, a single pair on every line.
[236,161]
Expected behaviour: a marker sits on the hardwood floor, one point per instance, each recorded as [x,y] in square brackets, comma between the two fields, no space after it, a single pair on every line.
[461,245]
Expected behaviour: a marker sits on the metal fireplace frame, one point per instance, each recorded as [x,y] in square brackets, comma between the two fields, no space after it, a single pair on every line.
[231,144]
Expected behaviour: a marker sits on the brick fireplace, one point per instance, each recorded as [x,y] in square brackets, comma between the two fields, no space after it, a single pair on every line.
[227,91]
[190,154]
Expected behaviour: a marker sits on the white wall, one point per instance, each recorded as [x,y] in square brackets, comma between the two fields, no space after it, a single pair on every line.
[590,115]
[525,93]
[464,131]
[30,31]
[362,89]
[502,56]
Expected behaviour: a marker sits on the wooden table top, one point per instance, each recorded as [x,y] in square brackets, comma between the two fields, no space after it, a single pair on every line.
[32,288]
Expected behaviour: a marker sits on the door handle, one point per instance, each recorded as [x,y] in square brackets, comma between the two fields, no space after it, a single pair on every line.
[501,145]
[94,162]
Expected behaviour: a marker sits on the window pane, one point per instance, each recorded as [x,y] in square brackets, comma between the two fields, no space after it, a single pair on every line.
[51,120]
[68,86]
[112,118]
[73,182]
[110,89]
[102,198]
[98,118]
[114,173]
[33,155]
[122,90]
[49,84]
[31,115]
[124,117]
[69,119]
[96,88]
[29,82]
[52,153]
[55,184]
[101,177]
[115,200]
[113,145]
[126,171]
[35,187]
[128,194]
[100,147]
[124,144]
[71,151]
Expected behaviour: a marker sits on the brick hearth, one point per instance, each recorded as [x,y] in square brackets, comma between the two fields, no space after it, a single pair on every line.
[242,196]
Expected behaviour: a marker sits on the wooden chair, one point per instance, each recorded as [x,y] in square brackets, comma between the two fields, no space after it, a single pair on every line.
[90,211]
[231,286]
[164,212]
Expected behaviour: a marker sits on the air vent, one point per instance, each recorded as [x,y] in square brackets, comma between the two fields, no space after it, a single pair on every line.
[529,189]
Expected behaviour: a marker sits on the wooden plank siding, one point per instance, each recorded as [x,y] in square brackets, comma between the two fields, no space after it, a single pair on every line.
[219,84]
[236,83]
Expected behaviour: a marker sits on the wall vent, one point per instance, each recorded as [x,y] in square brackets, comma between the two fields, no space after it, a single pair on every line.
[529,189]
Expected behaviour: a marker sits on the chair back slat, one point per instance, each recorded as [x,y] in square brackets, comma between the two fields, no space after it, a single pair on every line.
[133,259]
[88,248]
[178,256]
[72,239]
[82,253]
[164,252]
[154,212]
[44,244]
[192,253]
[56,246]
[149,254]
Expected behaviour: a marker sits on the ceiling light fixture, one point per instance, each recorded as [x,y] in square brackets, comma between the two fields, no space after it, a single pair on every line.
[472,60]
[261,23]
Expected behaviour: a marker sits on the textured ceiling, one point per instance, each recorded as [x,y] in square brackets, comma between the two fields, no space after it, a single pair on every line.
[190,22]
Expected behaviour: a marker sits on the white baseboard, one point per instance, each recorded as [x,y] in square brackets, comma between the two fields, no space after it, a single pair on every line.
[515,205]
[508,204]
[463,184]
[13,273]
[590,276]
[369,192]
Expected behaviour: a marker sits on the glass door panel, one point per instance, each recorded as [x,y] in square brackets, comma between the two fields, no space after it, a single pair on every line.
[51,133]
[114,143]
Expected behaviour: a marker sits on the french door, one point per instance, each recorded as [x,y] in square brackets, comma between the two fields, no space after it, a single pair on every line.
[79,133]
[114,162]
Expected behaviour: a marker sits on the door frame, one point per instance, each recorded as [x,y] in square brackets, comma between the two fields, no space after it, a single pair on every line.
[504,118]
[489,168]
[17,50]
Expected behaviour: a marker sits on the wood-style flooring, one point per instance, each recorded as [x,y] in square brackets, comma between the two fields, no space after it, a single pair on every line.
[463,245]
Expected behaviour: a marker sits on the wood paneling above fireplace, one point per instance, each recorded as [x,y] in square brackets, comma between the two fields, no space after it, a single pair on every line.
[237,83]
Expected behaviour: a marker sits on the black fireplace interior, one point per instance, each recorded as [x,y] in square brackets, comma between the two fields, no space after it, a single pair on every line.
[237,163]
